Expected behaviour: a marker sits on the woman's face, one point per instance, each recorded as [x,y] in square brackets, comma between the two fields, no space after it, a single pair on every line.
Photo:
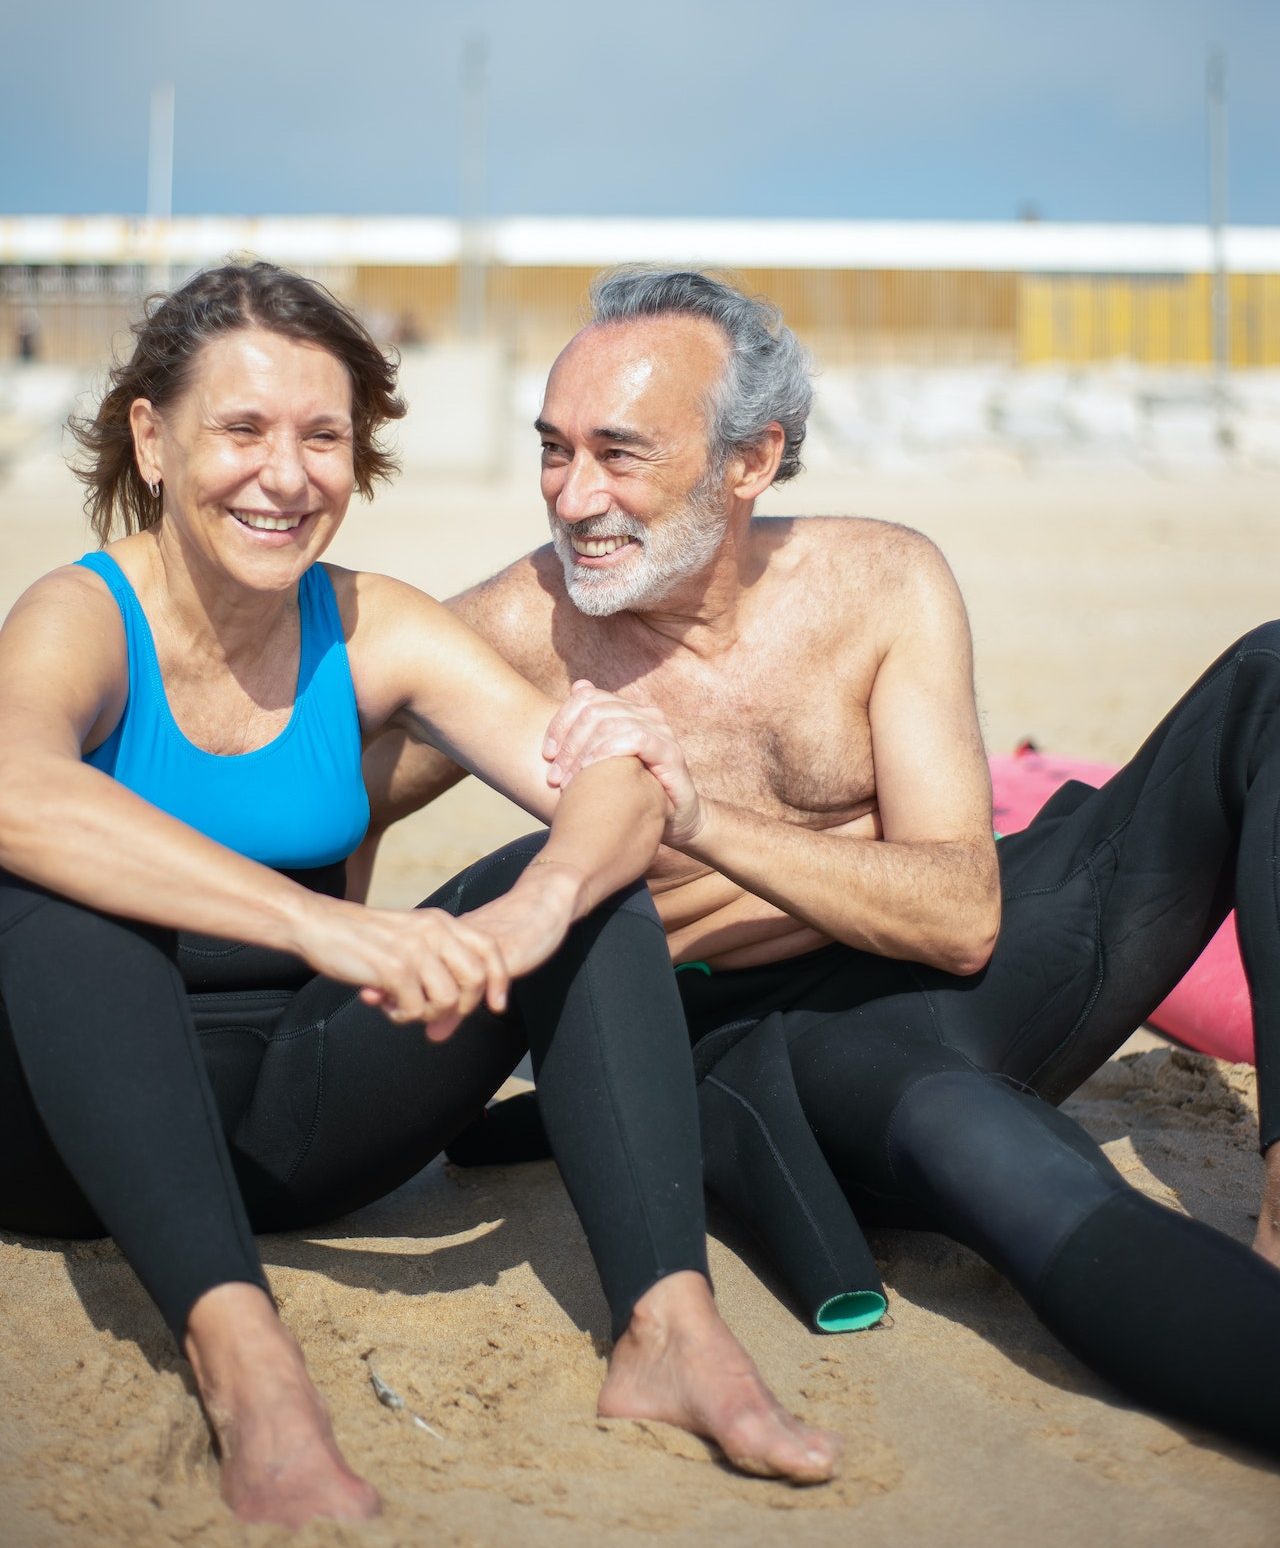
[255,456]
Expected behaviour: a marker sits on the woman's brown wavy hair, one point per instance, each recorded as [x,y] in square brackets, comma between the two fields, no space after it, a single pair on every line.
[171,334]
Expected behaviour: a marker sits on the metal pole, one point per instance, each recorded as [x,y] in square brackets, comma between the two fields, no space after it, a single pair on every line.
[1216,102]
[160,181]
[473,255]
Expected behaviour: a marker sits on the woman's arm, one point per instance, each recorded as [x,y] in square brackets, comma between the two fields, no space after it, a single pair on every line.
[418,667]
[78,832]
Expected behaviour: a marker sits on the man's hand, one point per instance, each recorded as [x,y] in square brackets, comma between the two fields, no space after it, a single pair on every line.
[592,725]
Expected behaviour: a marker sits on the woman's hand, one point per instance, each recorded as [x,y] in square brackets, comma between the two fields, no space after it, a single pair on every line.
[413,964]
[592,725]
[531,920]
[427,965]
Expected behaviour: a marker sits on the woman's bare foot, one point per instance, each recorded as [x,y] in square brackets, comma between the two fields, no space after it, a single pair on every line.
[1266,1239]
[678,1362]
[280,1462]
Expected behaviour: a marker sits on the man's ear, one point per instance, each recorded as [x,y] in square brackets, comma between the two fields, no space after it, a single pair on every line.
[755,467]
[144,421]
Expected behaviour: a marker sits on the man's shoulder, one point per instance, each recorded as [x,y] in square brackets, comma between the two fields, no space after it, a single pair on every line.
[513,608]
[856,548]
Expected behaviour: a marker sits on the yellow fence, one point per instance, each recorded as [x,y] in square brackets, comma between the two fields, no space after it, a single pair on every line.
[868,316]
[848,317]
[1160,321]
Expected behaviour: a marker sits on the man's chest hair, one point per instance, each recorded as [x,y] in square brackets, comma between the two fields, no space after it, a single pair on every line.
[780,732]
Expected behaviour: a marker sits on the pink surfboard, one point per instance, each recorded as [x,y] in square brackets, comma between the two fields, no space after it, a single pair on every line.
[1210,1009]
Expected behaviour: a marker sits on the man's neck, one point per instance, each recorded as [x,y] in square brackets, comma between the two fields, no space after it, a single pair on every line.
[706,614]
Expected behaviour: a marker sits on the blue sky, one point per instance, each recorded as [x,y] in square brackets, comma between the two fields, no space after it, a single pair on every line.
[904,109]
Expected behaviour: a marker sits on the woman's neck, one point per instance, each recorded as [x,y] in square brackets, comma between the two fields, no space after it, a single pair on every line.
[205,610]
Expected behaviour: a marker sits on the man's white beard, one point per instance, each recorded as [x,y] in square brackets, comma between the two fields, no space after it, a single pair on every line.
[678,546]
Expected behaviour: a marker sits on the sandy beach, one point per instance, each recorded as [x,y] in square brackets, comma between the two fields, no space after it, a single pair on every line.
[1096,594]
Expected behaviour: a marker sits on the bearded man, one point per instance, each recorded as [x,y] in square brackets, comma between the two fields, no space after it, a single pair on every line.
[830,887]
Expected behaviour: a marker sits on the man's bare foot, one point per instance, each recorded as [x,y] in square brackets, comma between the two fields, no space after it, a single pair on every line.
[280,1462]
[678,1362]
[1266,1239]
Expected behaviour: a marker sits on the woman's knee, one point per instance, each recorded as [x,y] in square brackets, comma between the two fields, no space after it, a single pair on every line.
[36,916]
[489,877]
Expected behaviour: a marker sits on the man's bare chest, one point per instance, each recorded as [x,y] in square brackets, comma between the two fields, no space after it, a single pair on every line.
[786,735]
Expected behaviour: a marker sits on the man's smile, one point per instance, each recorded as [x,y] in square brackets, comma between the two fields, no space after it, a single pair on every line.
[599,547]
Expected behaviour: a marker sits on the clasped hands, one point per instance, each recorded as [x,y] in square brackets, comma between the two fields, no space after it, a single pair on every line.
[429,966]
[592,725]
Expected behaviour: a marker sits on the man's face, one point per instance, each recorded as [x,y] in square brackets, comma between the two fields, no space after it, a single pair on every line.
[634,507]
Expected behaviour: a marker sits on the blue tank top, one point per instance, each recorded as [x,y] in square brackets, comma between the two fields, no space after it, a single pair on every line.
[297,803]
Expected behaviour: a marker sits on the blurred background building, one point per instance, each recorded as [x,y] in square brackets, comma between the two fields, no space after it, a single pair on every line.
[987,344]
[459,176]
[1024,293]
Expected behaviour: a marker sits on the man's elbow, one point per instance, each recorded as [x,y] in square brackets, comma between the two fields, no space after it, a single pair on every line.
[969,948]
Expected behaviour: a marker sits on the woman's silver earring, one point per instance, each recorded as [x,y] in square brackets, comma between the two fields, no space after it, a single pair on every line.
[155,489]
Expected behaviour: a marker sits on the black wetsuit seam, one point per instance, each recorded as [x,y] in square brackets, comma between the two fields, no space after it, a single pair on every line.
[1100,964]
[26,913]
[711,1080]
[263,1037]
[641,1193]
[217,1137]
[475,872]
[315,1113]
[291,1037]
[914,975]
[201,996]
[1219,731]
[1121,1190]
[320,1025]
[892,1124]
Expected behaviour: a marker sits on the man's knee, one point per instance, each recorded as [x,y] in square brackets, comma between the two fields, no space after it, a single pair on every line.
[1255,686]
[997,1168]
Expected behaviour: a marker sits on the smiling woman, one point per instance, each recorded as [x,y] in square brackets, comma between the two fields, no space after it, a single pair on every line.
[158,372]
[199,1036]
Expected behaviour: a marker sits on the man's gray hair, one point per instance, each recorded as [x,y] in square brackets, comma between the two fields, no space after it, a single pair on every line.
[767,377]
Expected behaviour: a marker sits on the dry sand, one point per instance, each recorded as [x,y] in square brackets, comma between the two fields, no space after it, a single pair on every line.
[1095,597]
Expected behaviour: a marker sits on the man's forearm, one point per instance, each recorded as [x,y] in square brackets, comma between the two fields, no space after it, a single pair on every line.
[931,902]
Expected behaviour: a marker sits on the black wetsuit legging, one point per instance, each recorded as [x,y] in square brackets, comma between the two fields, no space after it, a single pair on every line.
[932,1096]
[179,1094]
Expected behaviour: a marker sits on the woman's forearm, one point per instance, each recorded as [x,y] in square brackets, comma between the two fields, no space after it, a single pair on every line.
[80,833]
[606,828]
